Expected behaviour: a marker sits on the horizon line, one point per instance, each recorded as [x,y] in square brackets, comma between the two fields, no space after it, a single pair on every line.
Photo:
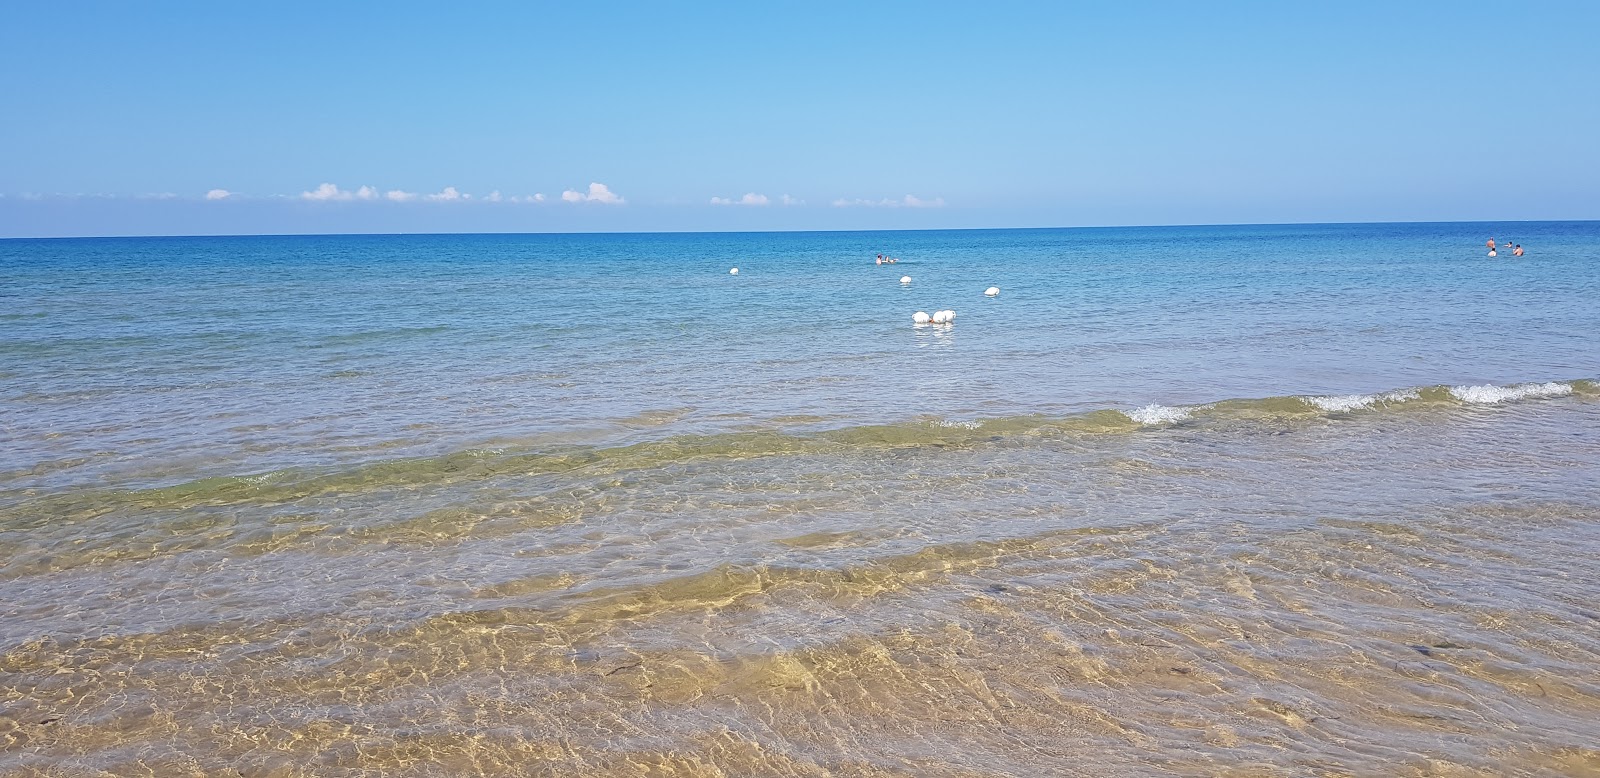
[778,232]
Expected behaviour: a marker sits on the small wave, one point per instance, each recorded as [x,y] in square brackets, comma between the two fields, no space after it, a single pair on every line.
[1341,404]
[1355,402]
[1489,393]
[522,461]
[1152,415]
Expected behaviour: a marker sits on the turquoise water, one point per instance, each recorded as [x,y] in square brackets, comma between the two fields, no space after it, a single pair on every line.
[132,360]
[1307,499]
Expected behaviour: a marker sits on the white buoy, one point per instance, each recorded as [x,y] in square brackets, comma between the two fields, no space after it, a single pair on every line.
[905,279]
[920,317]
[992,291]
[943,317]
[733,272]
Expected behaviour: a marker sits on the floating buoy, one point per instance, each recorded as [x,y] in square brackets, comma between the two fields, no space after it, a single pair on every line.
[943,317]
[992,291]
[920,317]
[905,279]
[733,272]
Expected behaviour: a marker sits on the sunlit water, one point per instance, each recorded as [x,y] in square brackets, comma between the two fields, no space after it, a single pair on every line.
[1312,500]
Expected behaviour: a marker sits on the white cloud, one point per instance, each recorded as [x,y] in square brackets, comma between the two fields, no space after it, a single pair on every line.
[157,196]
[218,194]
[910,201]
[533,198]
[538,197]
[400,195]
[326,192]
[750,198]
[494,197]
[787,200]
[332,192]
[448,194]
[598,193]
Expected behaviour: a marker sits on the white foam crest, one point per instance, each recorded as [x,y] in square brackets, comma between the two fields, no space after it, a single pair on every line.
[1400,395]
[1489,393]
[1343,403]
[1157,414]
[962,425]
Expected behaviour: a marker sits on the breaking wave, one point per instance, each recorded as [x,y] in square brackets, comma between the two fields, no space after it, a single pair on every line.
[1491,394]
[289,485]
[1156,415]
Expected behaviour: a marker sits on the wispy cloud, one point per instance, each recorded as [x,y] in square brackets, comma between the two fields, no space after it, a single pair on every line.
[598,193]
[157,196]
[750,198]
[787,200]
[218,194]
[331,192]
[910,201]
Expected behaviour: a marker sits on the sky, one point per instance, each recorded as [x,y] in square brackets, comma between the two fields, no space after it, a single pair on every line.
[121,118]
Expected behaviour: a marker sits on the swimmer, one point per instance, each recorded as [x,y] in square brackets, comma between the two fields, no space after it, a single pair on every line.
[1517,252]
[1491,246]
[1492,253]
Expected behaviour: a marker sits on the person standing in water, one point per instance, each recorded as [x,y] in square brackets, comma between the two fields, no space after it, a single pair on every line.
[1491,245]
[1517,252]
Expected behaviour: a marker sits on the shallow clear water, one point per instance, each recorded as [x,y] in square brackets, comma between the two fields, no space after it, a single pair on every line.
[1248,500]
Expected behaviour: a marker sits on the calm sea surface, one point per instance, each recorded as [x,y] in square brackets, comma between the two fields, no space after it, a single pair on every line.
[1254,501]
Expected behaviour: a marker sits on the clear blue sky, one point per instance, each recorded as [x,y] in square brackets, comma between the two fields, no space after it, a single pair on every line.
[119,117]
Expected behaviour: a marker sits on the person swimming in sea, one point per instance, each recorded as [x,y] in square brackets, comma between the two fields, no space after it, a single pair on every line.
[1517,252]
[1490,244]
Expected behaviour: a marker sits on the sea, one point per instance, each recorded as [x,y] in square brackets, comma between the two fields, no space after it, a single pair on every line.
[1285,500]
